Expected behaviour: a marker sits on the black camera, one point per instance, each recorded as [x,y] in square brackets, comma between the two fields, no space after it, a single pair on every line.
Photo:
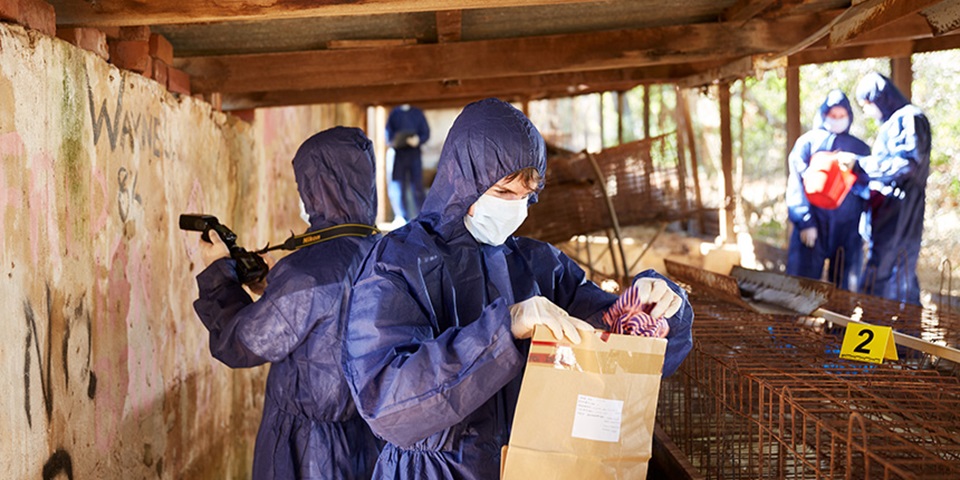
[250,266]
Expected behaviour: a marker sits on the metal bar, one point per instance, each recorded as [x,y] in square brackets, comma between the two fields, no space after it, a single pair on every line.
[613,213]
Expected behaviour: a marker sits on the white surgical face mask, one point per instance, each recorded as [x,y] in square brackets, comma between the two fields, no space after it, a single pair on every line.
[494,219]
[872,110]
[836,125]
[303,212]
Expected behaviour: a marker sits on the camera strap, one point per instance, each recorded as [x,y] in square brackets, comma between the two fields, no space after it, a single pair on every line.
[296,242]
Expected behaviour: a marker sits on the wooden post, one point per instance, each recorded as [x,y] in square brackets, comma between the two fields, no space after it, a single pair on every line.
[726,161]
[681,153]
[793,111]
[694,162]
[621,97]
[901,72]
[603,144]
[646,111]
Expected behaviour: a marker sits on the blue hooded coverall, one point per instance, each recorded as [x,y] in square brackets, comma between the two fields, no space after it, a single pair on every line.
[898,167]
[838,231]
[310,427]
[407,175]
[428,352]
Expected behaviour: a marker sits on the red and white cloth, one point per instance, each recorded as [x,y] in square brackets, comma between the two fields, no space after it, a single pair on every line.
[629,316]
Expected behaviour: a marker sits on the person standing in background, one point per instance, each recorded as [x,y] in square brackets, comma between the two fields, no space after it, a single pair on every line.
[818,233]
[898,167]
[407,130]
[310,427]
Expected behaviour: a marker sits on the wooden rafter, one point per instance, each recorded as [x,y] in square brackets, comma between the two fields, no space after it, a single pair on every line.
[744,10]
[449,26]
[873,14]
[496,58]
[159,12]
[944,17]
[532,86]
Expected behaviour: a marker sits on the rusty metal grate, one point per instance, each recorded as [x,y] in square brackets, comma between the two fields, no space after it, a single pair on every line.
[642,179]
[762,396]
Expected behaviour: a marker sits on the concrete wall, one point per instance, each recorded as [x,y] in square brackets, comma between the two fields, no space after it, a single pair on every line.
[104,367]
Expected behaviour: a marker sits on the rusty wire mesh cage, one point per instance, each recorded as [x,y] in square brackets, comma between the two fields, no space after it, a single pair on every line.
[644,181]
[762,396]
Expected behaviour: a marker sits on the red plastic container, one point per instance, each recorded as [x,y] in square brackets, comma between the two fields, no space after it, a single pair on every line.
[825,182]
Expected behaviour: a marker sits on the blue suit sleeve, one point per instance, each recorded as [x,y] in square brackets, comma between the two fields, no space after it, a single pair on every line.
[390,129]
[798,206]
[408,379]
[898,160]
[244,333]
[423,130]
[680,337]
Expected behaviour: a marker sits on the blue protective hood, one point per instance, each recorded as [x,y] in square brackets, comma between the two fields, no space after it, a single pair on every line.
[879,90]
[835,98]
[489,140]
[336,177]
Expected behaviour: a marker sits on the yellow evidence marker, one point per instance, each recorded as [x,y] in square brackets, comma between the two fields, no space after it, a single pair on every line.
[868,343]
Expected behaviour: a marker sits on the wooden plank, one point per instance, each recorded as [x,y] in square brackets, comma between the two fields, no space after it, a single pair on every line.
[944,17]
[726,162]
[873,14]
[744,10]
[164,12]
[494,58]
[529,86]
[449,26]
[372,43]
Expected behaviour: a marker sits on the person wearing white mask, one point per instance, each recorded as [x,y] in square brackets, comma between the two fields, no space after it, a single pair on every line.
[438,327]
[820,234]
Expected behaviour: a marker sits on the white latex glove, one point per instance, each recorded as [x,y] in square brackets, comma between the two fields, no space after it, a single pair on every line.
[413,140]
[808,236]
[846,160]
[656,292]
[213,250]
[541,311]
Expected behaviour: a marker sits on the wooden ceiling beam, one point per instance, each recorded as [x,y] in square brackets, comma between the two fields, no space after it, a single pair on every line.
[871,15]
[449,26]
[496,58]
[529,86]
[744,10]
[164,12]
[876,50]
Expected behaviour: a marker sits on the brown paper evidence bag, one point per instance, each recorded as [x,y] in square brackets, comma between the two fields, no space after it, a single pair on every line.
[585,411]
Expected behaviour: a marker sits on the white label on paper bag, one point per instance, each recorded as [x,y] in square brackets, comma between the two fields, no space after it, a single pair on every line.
[597,419]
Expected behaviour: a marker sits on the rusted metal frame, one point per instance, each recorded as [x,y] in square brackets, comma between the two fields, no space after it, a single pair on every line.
[612,211]
[771,413]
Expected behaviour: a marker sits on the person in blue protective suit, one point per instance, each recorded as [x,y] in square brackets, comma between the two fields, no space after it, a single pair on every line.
[310,427]
[407,130]
[820,234]
[898,167]
[433,351]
